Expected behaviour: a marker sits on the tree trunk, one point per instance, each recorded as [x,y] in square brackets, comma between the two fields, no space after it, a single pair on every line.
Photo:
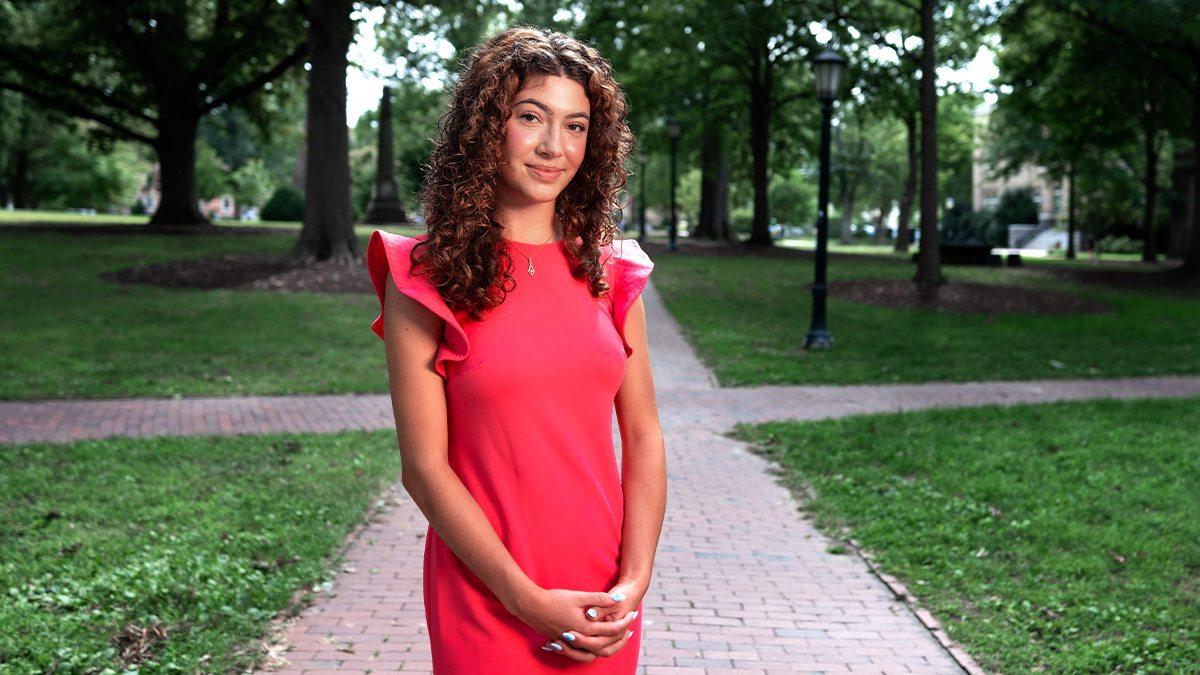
[176,148]
[910,186]
[328,231]
[760,143]
[1071,212]
[705,225]
[881,225]
[21,179]
[1191,261]
[847,237]
[721,225]
[1150,178]
[929,259]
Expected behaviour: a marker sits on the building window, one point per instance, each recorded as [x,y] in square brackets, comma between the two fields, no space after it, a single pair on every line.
[1058,192]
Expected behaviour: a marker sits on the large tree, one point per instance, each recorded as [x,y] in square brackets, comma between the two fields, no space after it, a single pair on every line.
[1163,36]
[1071,104]
[328,230]
[148,71]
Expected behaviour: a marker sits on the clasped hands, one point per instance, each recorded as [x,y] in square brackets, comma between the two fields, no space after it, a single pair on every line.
[583,625]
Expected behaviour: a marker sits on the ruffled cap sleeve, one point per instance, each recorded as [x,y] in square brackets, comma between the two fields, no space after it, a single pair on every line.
[630,272]
[387,252]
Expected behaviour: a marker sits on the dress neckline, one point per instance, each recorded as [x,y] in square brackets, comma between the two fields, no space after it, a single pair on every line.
[528,245]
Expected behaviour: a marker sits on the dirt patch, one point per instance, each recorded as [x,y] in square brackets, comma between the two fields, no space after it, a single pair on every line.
[125,229]
[1166,277]
[248,271]
[965,297]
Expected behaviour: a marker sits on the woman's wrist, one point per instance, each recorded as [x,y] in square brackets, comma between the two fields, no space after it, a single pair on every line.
[639,581]
[519,596]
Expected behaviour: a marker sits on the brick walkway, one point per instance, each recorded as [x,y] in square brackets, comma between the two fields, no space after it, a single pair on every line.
[742,582]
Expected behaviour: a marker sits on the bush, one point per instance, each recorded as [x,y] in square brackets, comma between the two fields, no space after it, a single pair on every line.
[961,226]
[1016,207]
[1118,244]
[287,203]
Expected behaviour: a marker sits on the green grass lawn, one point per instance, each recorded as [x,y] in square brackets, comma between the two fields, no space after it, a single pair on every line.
[67,333]
[747,318]
[1050,538]
[208,537]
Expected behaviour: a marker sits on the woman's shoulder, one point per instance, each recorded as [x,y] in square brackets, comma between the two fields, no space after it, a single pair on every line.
[626,256]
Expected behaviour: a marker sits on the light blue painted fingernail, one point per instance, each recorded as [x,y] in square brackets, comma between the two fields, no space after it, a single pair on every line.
[629,634]
[556,647]
[592,613]
[547,648]
[617,597]
[568,637]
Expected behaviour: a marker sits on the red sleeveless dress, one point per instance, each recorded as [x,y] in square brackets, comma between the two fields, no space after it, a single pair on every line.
[530,390]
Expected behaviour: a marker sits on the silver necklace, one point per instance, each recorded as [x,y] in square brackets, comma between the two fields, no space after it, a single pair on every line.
[530,268]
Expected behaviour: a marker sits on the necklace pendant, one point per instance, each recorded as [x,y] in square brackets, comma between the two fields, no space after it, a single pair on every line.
[530,270]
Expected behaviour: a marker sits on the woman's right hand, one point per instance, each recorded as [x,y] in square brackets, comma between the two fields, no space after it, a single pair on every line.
[555,612]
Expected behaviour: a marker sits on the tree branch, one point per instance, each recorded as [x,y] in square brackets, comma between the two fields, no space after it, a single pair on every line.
[255,84]
[1129,38]
[219,52]
[79,110]
[781,101]
[34,68]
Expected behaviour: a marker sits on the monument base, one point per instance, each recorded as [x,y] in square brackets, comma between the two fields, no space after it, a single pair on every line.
[386,212]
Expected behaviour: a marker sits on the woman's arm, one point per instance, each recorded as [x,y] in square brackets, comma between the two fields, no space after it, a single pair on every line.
[643,457]
[411,339]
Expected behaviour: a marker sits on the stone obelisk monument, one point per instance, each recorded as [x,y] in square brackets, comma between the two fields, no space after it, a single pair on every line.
[385,206]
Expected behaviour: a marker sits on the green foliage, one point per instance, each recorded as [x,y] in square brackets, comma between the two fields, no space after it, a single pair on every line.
[1016,207]
[963,226]
[1118,244]
[70,169]
[793,199]
[212,175]
[1044,538]
[286,203]
[252,183]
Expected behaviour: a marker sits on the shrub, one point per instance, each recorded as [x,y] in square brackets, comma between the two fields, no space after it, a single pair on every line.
[1016,207]
[287,203]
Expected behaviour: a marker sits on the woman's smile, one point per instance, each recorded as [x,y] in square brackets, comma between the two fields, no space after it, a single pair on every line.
[548,175]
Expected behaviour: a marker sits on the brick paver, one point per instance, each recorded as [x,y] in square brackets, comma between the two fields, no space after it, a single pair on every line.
[743,584]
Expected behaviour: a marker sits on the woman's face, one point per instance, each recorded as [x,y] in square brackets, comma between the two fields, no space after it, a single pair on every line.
[548,128]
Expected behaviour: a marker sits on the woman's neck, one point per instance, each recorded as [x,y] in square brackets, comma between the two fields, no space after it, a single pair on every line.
[534,224]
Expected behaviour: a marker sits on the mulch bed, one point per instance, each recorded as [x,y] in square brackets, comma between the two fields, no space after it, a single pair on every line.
[966,297]
[248,271]
[1168,277]
[125,229]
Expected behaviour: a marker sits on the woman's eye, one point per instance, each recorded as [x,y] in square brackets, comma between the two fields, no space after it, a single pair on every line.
[579,127]
[529,115]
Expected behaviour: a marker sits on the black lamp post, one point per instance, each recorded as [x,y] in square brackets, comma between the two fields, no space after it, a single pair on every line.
[673,131]
[828,67]
[642,198]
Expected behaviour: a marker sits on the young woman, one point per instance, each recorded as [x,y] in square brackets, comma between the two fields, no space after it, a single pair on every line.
[512,328]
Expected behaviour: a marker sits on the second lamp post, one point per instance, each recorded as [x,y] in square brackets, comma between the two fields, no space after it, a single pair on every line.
[827,72]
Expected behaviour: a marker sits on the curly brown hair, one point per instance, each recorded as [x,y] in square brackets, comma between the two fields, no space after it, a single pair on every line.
[464,255]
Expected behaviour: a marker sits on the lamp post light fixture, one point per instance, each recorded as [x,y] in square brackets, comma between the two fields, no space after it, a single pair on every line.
[674,129]
[641,156]
[828,67]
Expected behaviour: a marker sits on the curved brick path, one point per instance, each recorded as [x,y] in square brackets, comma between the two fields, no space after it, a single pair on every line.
[742,583]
